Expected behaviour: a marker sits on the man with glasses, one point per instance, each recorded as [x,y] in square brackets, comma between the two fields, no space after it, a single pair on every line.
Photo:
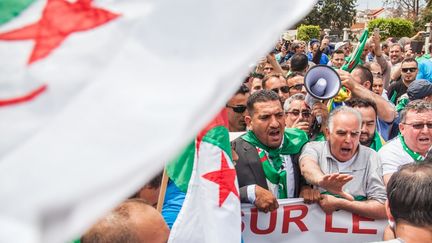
[267,166]
[278,84]
[409,69]
[236,110]
[300,115]
[413,141]
[296,84]
[347,173]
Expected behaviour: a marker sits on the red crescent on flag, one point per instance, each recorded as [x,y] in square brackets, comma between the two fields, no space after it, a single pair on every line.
[24,98]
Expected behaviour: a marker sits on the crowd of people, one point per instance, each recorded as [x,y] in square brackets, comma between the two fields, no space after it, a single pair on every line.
[367,155]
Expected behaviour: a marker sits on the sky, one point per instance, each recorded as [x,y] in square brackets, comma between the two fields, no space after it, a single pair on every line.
[363,4]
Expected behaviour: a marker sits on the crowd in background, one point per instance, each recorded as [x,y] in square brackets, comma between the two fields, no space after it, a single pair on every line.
[340,153]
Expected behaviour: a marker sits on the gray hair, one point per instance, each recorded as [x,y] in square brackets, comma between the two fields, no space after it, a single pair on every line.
[291,99]
[418,106]
[343,109]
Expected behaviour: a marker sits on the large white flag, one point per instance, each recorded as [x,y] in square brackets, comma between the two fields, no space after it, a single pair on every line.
[96,95]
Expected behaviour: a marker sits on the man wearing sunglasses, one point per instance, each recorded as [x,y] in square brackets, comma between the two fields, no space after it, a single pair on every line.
[413,141]
[300,115]
[236,110]
[409,69]
[267,166]
[348,174]
[278,84]
[296,84]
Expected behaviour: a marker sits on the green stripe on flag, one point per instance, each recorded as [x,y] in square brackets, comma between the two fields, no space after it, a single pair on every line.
[354,58]
[180,169]
[219,136]
[9,9]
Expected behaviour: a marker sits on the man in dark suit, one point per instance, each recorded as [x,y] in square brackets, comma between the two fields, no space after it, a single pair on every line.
[267,166]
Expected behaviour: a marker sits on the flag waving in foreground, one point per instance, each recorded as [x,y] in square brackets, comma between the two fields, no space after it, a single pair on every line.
[97,94]
[212,205]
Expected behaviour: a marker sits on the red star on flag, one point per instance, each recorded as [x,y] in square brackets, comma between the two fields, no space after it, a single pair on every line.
[225,177]
[60,18]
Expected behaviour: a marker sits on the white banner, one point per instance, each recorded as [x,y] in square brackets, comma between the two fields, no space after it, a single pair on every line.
[295,221]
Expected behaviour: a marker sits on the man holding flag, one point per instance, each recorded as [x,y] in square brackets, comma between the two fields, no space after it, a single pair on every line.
[267,167]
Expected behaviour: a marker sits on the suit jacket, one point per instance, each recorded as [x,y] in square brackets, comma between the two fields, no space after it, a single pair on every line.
[249,169]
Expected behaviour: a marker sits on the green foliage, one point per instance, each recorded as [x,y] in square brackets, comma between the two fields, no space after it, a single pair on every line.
[392,27]
[425,17]
[332,14]
[307,32]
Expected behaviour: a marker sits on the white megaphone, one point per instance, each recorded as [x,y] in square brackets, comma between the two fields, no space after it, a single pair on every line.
[322,83]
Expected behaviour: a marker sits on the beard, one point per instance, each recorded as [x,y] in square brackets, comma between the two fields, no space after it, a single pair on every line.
[368,140]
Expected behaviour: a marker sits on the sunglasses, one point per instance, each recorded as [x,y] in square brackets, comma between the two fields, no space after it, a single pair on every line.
[419,126]
[284,89]
[297,87]
[305,114]
[238,108]
[405,70]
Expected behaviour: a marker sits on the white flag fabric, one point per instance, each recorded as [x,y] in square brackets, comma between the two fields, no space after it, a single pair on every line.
[117,100]
[211,208]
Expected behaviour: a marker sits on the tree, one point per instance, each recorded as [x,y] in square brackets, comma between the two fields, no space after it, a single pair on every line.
[392,27]
[307,32]
[411,8]
[332,14]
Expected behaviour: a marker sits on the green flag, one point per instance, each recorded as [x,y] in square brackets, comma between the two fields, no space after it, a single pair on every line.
[9,9]
[180,169]
[354,58]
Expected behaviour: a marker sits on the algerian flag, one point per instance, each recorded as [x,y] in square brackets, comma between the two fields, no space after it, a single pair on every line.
[212,205]
[354,59]
[96,95]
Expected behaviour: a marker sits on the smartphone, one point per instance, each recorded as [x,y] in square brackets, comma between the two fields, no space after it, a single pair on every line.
[376,31]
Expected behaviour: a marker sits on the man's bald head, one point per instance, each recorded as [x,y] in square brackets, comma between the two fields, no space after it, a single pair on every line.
[133,221]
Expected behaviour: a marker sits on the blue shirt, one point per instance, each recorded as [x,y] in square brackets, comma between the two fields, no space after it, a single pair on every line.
[324,58]
[174,199]
[383,129]
[425,69]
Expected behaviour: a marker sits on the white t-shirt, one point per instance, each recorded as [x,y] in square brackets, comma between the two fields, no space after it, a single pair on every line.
[393,155]
[343,166]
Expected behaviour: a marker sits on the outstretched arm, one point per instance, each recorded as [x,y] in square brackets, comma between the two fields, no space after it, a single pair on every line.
[333,183]
[370,208]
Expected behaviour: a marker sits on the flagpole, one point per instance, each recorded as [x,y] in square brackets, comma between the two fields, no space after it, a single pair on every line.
[162,190]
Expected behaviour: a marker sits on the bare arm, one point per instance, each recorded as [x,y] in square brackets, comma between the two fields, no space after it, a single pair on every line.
[275,64]
[376,39]
[333,183]
[417,35]
[386,111]
[395,72]
[311,170]
[370,208]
